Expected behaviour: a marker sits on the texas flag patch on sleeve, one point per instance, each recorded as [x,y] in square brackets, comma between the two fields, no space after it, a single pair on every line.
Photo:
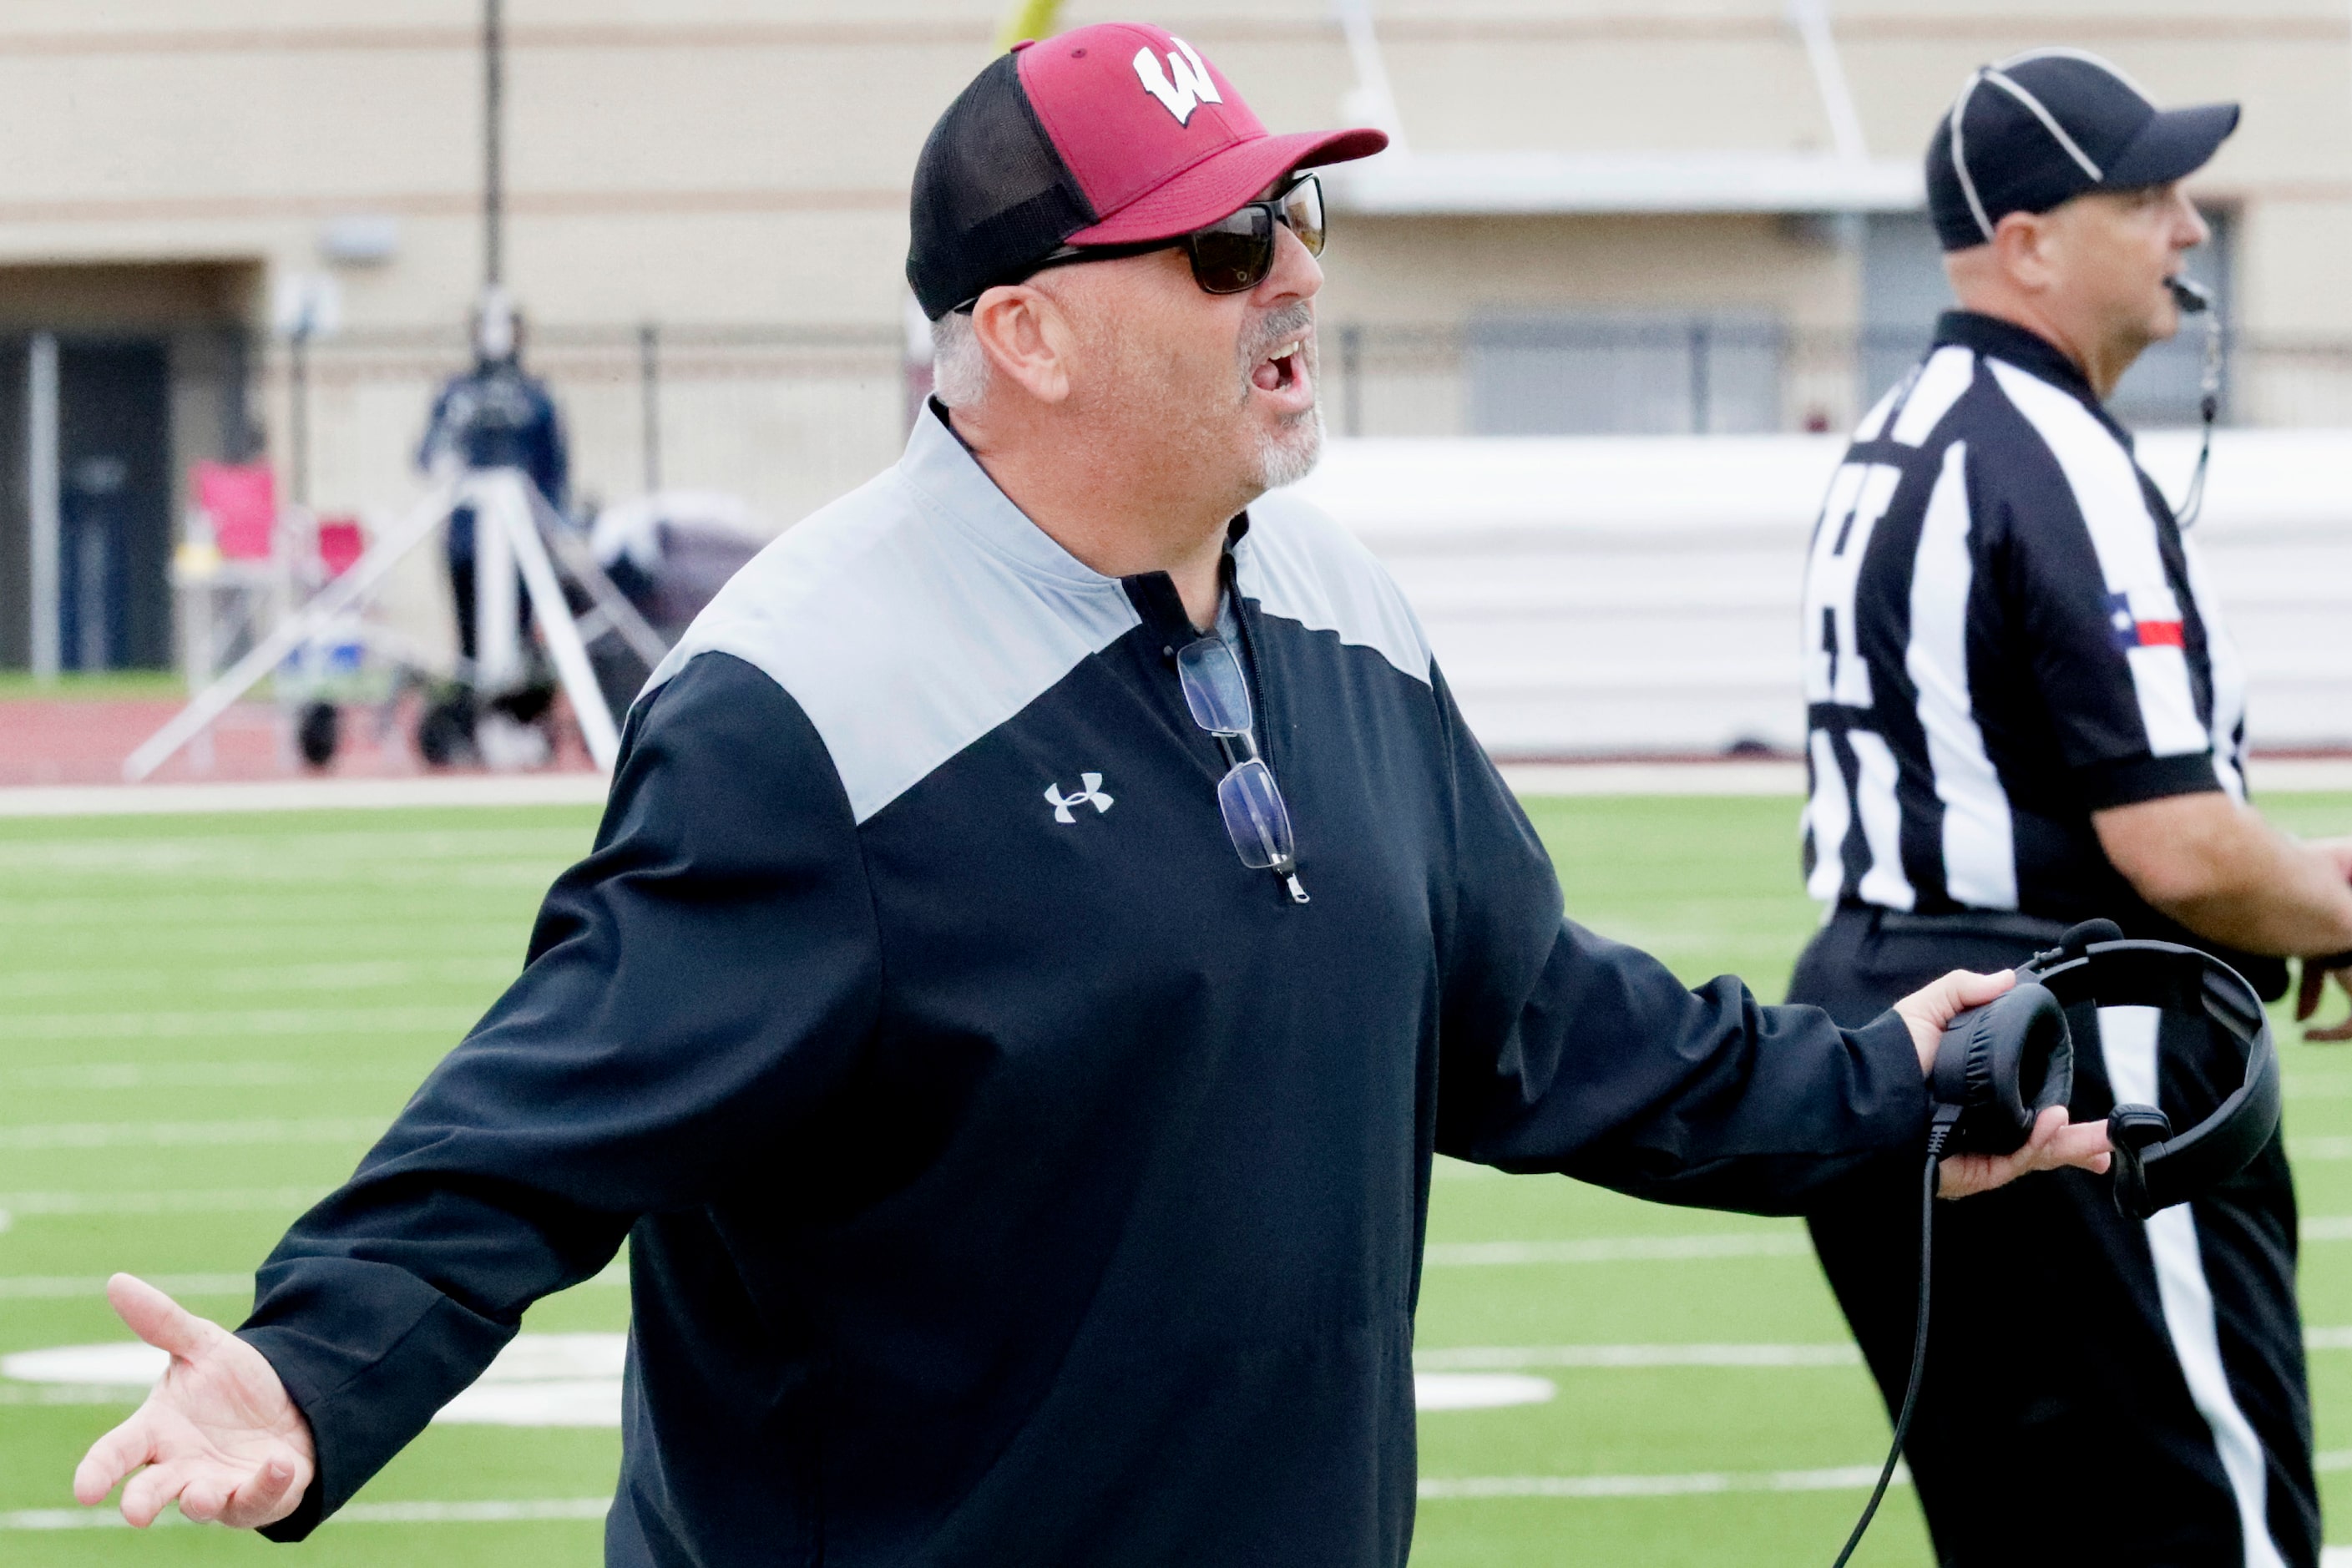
[2144,618]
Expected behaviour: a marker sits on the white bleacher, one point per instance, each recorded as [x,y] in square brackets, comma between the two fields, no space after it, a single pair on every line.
[1639,595]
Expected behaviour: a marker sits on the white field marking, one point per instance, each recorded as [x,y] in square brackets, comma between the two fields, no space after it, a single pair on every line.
[291,856]
[1501,1358]
[209,1135]
[1708,777]
[246,979]
[205,1075]
[305,794]
[105,1518]
[2316,1084]
[244,1023]
[66,1287]
[1478,1390]
[1844,1477]
[2335,1557]
[1617,1250]
[1513,1356]
[2319,1148]
[214,1200]
[2326,1228]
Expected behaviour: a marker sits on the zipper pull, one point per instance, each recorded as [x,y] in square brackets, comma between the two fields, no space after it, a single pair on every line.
[1298,893]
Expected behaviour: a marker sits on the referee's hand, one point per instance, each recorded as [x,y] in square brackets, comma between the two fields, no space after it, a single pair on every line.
[2308,995]
[2055,1140]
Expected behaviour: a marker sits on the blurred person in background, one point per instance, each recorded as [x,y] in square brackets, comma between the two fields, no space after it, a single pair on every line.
[2023,712]
[1048,914]
[494,415]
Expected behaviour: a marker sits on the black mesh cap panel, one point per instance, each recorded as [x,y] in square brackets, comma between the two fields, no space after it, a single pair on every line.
[991,195]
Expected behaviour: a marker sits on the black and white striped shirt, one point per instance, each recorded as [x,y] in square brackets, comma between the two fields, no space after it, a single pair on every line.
[2004,632]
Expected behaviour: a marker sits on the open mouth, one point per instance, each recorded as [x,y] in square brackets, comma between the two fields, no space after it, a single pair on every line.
[1281,370]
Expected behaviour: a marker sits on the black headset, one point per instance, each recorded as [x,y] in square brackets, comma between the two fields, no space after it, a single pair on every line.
[2001,1066]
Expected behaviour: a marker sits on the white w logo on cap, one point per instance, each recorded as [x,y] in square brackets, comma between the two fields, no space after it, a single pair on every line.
[1185,86]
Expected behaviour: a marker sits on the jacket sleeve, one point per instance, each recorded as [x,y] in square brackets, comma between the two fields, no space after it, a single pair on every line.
[694,992]
[1560,1050]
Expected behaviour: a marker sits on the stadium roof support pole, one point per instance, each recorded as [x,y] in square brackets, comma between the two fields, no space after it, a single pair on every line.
[1811,20]
[1372,99]
[494,176]
[41,493]
[649,397]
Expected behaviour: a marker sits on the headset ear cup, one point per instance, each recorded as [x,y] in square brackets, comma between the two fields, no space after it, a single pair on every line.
[2003,1064]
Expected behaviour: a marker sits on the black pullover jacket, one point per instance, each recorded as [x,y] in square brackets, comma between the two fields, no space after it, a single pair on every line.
[1009,1174]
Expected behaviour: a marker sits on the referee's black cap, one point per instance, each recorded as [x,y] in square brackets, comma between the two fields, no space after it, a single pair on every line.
[2042,128]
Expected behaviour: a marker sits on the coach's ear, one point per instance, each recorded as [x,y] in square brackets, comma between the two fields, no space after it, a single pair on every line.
[1027,339]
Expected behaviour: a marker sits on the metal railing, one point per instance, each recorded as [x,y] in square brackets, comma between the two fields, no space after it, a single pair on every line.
[786,417]
[789,418]
[1717,375]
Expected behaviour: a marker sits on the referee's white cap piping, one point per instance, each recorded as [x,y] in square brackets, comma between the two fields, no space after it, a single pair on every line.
[1999,76]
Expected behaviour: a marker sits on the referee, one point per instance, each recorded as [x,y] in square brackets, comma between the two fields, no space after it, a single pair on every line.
[2023,712]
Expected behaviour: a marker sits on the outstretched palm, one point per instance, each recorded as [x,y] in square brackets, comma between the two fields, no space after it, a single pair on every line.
[218,1431]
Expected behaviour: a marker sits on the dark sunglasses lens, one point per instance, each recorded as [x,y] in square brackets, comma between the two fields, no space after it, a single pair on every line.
[1302,210]
[1234,255]
[1213,688]
[1256,819]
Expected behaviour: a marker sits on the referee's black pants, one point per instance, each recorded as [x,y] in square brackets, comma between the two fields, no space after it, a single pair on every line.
[2055,1422]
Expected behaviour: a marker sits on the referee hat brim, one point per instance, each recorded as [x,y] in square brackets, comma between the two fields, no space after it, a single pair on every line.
[2172,146]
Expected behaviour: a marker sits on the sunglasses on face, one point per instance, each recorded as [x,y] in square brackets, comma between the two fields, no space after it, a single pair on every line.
[1231,256]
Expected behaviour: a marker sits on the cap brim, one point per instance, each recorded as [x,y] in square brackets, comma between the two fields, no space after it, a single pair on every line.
[2174,146]
[1221,182]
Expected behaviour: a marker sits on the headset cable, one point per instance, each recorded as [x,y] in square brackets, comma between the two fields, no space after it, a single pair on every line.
[1935,1136]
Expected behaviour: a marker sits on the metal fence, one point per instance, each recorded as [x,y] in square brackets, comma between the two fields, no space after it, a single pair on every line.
[786,419]
[790,418]
[1716,374]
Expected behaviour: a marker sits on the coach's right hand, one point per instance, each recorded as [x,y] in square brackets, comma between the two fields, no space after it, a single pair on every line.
[218,1431]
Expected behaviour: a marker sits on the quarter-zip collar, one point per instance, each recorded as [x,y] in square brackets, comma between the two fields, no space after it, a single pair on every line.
[939,466]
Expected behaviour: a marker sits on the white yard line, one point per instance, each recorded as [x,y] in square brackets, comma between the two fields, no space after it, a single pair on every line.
[108,1518]
[217,1200]
[68,1286]
[1781,777]
[1512,1357]
[1617,1250]
[1844,1477]
[178,1024]
[201,1135]
[305,794]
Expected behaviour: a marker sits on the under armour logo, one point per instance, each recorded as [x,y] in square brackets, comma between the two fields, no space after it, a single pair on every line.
[1090,796]
[1185,86]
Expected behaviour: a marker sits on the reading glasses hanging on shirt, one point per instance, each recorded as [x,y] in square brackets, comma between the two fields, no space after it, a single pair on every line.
[1256,819]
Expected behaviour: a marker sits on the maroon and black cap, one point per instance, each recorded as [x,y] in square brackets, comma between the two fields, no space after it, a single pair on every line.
[1111,134]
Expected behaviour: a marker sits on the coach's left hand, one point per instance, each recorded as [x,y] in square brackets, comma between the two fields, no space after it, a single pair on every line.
[2055,1140]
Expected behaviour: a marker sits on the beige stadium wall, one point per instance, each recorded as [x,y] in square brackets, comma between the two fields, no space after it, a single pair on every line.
[743,164]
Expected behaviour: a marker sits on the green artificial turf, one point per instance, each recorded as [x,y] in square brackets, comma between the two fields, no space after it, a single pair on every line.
[302,971]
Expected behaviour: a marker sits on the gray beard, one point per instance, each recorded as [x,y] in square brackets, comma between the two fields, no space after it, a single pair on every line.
[1290,455]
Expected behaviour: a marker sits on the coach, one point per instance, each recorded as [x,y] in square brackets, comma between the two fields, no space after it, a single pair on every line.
[1045,918]
[2024,711]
